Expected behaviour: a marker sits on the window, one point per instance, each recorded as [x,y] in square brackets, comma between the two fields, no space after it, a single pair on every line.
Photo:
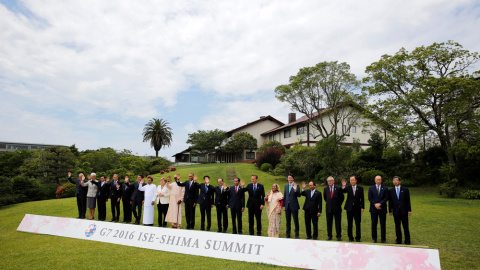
[274,137]
[354,129]
[301,130]
[270,137]
[287,133]
[250,155]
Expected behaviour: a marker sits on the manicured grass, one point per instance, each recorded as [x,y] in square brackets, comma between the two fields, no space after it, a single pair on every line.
[450,225]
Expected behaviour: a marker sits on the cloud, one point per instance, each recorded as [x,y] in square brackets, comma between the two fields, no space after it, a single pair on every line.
[117,64]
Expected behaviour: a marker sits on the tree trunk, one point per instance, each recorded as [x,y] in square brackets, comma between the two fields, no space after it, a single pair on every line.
[156,153]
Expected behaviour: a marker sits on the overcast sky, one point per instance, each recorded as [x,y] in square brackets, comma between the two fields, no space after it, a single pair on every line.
[93,73]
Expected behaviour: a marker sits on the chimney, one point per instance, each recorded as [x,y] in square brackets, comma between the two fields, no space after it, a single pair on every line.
[292,117]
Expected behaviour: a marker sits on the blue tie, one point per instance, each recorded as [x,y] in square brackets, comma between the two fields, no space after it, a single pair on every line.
[254,189]
[398,193]
[206,189]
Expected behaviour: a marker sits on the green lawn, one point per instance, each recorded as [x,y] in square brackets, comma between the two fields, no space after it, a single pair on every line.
[450,225]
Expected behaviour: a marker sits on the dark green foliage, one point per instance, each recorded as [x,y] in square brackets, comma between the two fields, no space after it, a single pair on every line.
[450,188]
[471,195]
[266,167]
[271,144]
[368,177]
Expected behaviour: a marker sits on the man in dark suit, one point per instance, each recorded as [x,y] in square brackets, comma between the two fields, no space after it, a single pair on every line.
[102,197]
[206,201]
[190,199]
[127,191]
[114,202]
[378,197]
[354,206]
[221,202]
[255,204]
[80,193]
[291,206]
[236,203]
[333,197]
[137,198]
[312,208]
[399,205]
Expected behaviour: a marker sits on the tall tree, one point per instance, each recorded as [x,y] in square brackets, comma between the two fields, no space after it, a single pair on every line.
[158,133]
[239,142]
[428,91]
[327,90]
[206,141]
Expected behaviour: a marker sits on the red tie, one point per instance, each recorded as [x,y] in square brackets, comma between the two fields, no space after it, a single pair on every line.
[80,184]
[331,193]
[236,190]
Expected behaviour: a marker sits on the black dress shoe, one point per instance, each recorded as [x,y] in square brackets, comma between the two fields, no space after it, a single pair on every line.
[297,237]
[407,243]
[350,240]
[374,241]
[288,236]
[224,231]
[112,220]
[219,230]
[358,240]
[339,239]
[259,234]
[397,243]
[202,229]
[315,238]
[240,232]
[329,238]
[308,237]
[234,232]
[384,241]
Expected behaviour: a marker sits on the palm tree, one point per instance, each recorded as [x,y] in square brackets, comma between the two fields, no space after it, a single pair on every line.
[158,133]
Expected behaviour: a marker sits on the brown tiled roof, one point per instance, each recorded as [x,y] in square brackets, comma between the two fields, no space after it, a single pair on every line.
[302,119]
[268,117]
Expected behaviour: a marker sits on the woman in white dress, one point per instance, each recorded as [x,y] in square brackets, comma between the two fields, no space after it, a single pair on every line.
[163,201]
[149,203]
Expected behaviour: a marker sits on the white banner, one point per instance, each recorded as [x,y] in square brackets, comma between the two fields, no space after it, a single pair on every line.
[284,252]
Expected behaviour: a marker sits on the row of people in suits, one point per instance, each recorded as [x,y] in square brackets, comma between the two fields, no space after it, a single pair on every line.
[233,198]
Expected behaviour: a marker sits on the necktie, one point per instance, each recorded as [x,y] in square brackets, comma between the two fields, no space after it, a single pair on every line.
[206,189]
[254,189]
[190,184]
[80,183]
[236,189]
[354,188]
[331,193]
[290,188]
[398,194]
[311,194]
[378,190]
[125,187]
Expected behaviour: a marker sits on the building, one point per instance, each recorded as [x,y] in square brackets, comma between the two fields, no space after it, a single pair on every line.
[301,130]
[12,146]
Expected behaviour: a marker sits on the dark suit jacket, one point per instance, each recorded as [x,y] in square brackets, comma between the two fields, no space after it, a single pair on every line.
[255,199]
[290,198]
[206,198]
[221,198]
[103,191]
[191,192]
[400,205]
[79,190]
[117,193]
[236,201]
[354,202]
[333,205]
[113,188]
[127,190]
[313,204]
[137,195]
[374,198]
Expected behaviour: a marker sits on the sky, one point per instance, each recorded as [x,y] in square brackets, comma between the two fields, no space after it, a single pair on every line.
[93,73]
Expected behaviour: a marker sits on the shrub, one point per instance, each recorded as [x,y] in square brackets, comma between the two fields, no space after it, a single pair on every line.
[471,195]
[450,188]
[66,190]
[271,156]
[155,169]
[173,169]
[28,187]
[279,170]
[266,167]
[368,177]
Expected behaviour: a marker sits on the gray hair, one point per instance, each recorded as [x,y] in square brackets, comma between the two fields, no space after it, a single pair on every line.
[330,177]
[93,174]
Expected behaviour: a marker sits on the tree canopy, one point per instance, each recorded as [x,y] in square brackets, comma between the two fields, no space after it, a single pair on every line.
[206,141]
[324,89]
[158,133]
[428,91]
[239,142]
